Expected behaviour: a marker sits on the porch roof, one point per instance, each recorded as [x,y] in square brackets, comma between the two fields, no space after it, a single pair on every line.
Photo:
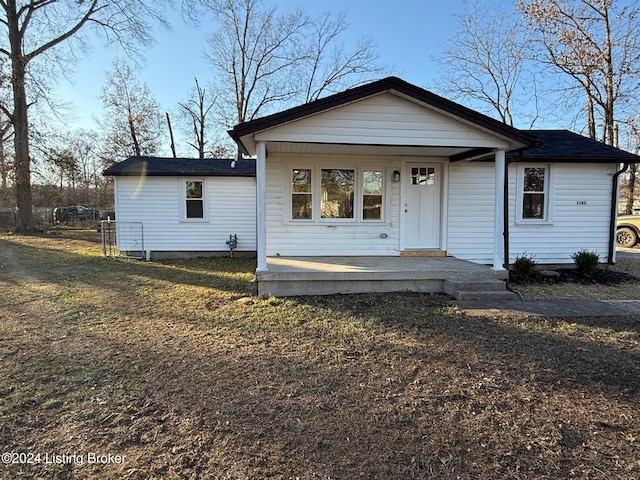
[244,134]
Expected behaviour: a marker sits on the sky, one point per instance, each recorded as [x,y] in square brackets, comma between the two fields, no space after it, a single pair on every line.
[407,33]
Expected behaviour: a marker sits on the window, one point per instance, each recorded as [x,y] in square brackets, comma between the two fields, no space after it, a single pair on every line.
[423,176]
[301,196]
[337,191]
[337,194]
[194,199]
[372,194]
[534,195]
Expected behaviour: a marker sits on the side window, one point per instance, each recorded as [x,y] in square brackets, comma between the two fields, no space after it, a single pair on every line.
[194,199]
[372,188]
[301,195]
[535,193]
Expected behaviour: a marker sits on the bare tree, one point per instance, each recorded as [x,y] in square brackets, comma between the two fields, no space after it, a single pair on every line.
[220,151]
[631,175]
[66,166]
[485,61]
[6,128]
[35,29]
[271,59]
[593,42]
[255,51]
[197,111]
[329,65]
[132,119]
[83,145]
[6,164]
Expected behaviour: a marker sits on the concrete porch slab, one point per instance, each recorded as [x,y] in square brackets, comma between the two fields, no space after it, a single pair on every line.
[292,276]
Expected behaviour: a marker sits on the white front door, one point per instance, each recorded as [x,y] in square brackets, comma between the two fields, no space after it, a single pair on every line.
[421,205]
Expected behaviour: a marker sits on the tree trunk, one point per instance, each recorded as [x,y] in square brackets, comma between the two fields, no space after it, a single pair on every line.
[24,223]
[4,170]
[591,119]
[628,210]
[609,117]
[134,137]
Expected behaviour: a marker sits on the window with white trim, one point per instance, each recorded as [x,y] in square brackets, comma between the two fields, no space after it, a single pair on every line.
[301,196]
[194,199]
[372,194]
[337,194]
[534,193]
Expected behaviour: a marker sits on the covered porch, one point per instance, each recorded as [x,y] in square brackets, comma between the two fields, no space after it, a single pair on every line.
[293,276]
[348,183]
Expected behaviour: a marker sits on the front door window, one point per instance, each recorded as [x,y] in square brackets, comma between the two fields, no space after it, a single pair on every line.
[423,175]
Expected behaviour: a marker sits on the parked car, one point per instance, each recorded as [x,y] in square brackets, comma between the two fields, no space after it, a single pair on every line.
[77,213]
[628,231]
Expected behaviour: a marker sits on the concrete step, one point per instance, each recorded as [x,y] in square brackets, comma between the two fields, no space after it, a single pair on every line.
[480,289]
[483,295]
[486,284]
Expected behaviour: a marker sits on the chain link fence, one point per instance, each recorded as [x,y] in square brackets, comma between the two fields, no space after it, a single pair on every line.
[42,218]
[122,239]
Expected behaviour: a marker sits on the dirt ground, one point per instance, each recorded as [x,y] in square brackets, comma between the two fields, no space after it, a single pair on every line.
[123,369]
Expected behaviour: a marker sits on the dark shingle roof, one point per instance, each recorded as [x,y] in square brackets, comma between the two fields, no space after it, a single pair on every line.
[164,167]
[566,146]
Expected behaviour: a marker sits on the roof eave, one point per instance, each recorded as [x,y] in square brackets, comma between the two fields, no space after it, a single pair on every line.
[176,174]
[549,159]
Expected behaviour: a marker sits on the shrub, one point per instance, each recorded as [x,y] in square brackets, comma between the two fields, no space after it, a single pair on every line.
[273,301]
[587,262]
[524,267]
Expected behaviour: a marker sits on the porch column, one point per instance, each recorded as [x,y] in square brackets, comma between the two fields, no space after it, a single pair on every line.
[498,222]
[261,207]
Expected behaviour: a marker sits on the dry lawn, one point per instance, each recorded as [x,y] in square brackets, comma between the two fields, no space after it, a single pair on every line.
[178,369]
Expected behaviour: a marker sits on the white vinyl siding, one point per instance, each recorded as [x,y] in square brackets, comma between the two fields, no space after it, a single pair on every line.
[471,211]
[581,209]
[580,203]
[287,237]
[158,202]
[384,119]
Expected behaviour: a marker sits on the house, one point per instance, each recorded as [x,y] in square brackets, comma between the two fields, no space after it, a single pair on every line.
[187,207]
[381,187]
[375,185]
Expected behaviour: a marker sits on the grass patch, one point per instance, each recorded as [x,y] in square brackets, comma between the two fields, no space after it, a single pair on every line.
[180,367]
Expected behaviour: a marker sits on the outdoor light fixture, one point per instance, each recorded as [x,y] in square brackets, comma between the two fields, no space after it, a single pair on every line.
[396,175]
